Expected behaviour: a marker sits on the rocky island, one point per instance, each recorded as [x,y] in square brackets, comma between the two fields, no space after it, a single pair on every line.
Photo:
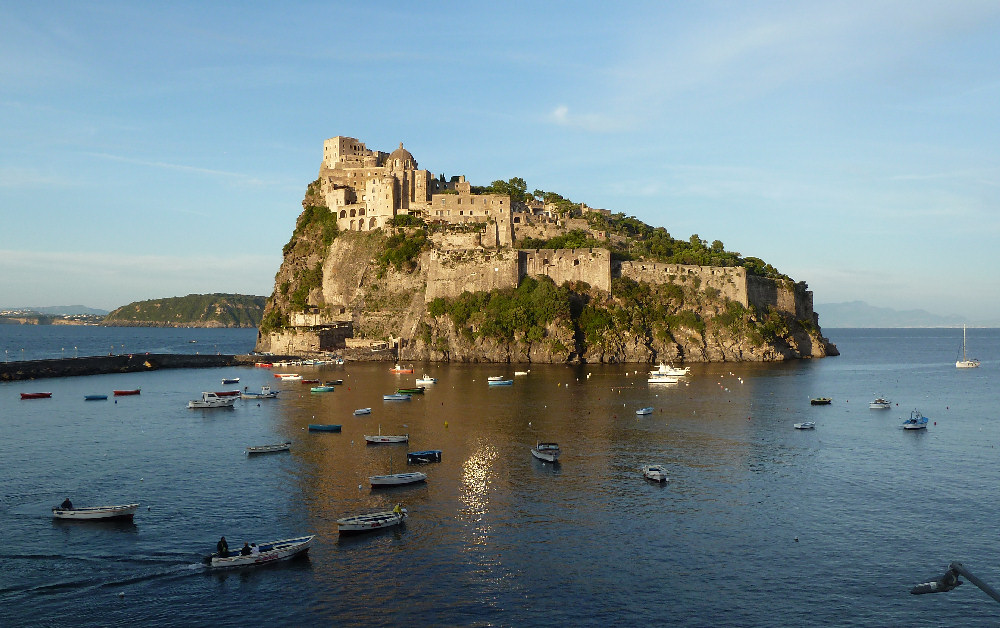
[390,262]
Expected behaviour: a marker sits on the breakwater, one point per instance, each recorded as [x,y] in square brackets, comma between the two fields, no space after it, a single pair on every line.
[126,363]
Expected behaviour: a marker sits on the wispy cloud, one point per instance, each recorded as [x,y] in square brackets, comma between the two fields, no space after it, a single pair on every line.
[238,177]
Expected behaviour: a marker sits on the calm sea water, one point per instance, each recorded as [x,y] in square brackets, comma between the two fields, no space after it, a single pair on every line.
[760,525]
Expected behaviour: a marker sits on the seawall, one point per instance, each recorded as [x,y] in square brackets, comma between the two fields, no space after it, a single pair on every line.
[68,367]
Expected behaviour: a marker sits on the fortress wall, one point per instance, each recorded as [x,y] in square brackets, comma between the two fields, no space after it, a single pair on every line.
[450,273]
[479,208]
[788,298]
[542,230]
[731,282]
[590,265]
[457,241]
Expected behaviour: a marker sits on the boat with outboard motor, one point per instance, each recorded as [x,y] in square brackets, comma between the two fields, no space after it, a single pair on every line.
[93,513]
[546,452]
[268,553]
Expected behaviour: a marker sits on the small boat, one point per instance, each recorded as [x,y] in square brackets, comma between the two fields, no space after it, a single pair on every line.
[419,390]
[361,411]
[322,389]
[125,393]
[91,513]
[418,457]
[269,553]
[386,438]
[265,393]
[283,375]
[309,381]
[494,378]
[291,378]
[916,421]
[667,370]
[655,472]
[521,373]
[317,427]
[211,400]
[965,362]
[95,397]
[372,521]
[880,404]
[334,382]
[397,479]
[821,401]
[805,425]
[401,369]
[230,380]
[396,397]
[270,449]
[227,393]
[648,410]
[425,380]
[548,452]
[500,382]
[36,395]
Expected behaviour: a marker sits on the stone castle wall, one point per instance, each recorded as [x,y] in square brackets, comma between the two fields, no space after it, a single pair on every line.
[590,265]
[731,282]
[450,273]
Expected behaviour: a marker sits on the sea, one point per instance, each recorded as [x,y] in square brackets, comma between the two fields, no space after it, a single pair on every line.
[760,524]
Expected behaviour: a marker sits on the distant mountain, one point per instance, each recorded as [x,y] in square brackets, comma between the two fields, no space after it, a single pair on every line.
[860,314]
[194,310]
[61,310]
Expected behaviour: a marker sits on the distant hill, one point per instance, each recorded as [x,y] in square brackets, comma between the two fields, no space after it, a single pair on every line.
[193,310]
[860,314]
[61,310]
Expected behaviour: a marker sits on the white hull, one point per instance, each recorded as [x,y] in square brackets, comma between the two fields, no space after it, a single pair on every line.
[665,379]
[212,400]
[269,449]
[96,512]
[373,521]
[665,370]
[397,479]
[808,425]
[641,411]
[275,550]
[548,452]
[361,411]
[380,438]
[967,364]
[655,473]
[424,381]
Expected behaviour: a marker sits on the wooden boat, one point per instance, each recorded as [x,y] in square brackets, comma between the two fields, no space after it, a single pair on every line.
[212,400]
[401,369]
[655,472]
[322,389]
[227,393]
[325,427]
[36,395]
[230,380]
[310,381]
[124,393]
[419,390]
[95,397]
[91,513]
[500,382]
[270,449]
[418,457]
[397,479]
[386,438]
[396,397]
[547,452]
[648,410]
[361,411]
[372,521]
[269,553]
[335,382]
[265,393]
[805,425]
[425,380]
[880,404]
[821,401]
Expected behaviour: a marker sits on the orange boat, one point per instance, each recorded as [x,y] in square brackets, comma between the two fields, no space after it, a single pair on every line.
[121,393]
[401,369]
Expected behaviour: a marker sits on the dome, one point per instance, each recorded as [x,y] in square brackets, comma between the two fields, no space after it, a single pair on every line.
[404,157]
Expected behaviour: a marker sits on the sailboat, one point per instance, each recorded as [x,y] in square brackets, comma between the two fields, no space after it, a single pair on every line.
[965,363]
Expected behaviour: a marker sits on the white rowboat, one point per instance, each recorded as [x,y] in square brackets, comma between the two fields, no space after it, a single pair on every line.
[373,521]
[548,452]
[269,553]
[397,479]
[124,511]
[655,472]
[269,449]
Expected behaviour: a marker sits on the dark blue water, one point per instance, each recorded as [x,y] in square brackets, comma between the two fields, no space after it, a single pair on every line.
[761,524]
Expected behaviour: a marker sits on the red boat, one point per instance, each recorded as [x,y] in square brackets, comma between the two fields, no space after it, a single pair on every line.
[227,393]
[310,381]
[45,395]
[120,393]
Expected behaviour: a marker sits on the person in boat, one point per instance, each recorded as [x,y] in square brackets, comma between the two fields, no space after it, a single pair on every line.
[222,547]
[254,550]
[66,505]
[245,550]
[398,509]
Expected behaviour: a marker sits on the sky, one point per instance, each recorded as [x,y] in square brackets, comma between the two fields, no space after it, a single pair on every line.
[150,150]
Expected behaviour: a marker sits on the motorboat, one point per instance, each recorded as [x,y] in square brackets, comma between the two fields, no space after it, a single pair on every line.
[270,449]
[547,452]
[521,373]
[820,401]
[494,378]
[362,411]
[36,395]
[419,457]
[230,380]
[269,553]
[212,400]
[916,421]
[91,513]
[397,479]
[965,362]
[401,369]
[655,472]
[880,404]
[386,438]
[425,380]
[500,382]
[396,397]
[95,397]
[669,371]
[291,378]
[648,410]
[322,389]
[265,393]
[323,427]
[125,393]
[372,521]
[805,425]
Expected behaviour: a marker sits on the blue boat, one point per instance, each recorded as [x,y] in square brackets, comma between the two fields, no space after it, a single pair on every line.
[321,389]
[95,397]
[417,457]
[316,427]
[501,382]
[396,397]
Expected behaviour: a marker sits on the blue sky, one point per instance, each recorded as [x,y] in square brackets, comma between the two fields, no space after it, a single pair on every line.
[154,150]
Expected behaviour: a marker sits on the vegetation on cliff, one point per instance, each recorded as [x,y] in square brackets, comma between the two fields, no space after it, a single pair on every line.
[193,310]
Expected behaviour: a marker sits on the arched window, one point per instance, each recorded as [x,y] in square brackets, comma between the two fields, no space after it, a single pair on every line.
[343,213]
[352,215]
[361,212]
[372,224]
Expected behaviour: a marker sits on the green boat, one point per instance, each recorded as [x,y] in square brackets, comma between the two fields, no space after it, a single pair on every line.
[419,390]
